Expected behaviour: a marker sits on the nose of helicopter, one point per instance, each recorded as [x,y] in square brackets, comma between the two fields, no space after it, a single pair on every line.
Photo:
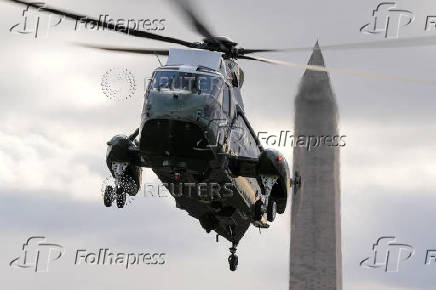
[174,123]
[170,138]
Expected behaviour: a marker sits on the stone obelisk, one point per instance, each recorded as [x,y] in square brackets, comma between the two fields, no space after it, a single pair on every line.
[315,254]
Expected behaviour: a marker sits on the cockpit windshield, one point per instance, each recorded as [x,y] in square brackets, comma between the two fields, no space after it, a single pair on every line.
[186,81]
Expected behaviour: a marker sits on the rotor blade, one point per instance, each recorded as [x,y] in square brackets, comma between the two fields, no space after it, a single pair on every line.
[190,14]
[103,24]
[388,43]
[243,51]
[156,51]
[347,71]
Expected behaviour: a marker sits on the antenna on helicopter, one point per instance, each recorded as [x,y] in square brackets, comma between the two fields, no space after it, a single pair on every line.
[158,60]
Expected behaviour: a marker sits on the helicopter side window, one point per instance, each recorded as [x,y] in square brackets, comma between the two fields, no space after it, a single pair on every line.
[226,100]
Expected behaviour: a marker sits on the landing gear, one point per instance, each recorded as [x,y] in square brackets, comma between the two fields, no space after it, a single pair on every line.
[108,196]
[265,205]
[233,258]
[119,190]
[271,210]
[122,183]
[258,212]
[121,197]
[128,185]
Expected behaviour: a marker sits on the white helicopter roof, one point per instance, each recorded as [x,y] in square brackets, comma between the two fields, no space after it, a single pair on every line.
[195,57]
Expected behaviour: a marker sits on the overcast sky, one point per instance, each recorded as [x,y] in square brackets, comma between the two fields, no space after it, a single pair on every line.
[55,121]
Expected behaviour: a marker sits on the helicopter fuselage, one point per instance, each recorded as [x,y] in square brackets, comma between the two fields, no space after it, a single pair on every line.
[195,137]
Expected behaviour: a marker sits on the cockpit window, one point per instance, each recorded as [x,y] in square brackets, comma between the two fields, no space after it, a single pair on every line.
[185,81]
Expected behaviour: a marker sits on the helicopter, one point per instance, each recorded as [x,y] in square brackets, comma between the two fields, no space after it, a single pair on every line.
[195,136]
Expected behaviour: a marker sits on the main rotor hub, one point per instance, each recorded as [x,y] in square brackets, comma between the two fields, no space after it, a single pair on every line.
[222,44]
[220,39]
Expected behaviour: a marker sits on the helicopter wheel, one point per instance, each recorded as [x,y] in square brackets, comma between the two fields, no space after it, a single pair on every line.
[233,262]
[258,212]
[121,197]
[233,258]
[271,210]
[128,185]
[108,196]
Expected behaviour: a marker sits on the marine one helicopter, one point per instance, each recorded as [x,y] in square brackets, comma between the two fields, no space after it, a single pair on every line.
[195,136]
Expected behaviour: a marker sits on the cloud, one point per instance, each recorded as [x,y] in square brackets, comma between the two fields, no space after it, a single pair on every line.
[33,163]
[55,122]
[150,224]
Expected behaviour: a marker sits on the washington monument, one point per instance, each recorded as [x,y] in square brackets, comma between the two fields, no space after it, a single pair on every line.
[315,255]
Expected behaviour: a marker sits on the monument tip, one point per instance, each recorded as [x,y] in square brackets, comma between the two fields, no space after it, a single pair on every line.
[316,58]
